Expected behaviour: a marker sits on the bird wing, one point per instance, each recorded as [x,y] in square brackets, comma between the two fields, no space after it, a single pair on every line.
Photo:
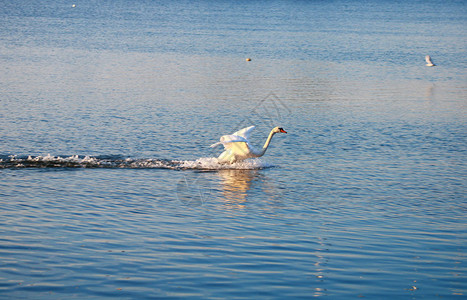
[234,144]
[238,148]
[245,132]
[240,136]
[228,139]
[428,59]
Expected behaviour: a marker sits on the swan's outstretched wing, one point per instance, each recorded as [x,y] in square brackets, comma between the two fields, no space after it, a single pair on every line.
[228,139]
[240,136]
[234,146]
[245,132]
[237,147]
[234,152]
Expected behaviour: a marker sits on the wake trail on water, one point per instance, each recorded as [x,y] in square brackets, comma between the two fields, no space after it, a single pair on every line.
[118,162]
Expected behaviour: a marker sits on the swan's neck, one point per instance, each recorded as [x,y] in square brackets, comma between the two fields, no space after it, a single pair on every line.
[266,145]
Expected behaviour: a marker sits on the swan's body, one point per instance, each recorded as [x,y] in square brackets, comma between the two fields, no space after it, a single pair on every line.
[429,63]
[238,148]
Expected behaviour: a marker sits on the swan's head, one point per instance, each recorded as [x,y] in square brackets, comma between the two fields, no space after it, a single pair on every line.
[278,129]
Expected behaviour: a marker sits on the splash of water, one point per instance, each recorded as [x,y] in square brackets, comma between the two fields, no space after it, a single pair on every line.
[76,161]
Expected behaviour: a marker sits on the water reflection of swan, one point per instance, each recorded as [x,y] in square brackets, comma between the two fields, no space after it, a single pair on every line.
[236,183]
[237,147]
[239,186]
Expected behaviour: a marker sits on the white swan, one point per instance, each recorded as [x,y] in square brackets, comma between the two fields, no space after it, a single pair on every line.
[429,63]
[237,147]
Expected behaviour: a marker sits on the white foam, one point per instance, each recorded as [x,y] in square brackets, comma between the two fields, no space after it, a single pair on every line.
[49,157]
[75,161]
[212,163]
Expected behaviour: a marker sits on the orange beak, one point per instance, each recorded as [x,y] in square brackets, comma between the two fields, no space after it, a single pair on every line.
[283,131]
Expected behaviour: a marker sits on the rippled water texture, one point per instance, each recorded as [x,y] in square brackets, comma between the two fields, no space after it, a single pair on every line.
[109,189]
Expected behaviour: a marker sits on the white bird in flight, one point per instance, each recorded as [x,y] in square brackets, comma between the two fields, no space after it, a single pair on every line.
[237,147]
[429,63]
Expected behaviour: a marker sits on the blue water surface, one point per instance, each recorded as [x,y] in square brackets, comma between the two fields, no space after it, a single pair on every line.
[108,187]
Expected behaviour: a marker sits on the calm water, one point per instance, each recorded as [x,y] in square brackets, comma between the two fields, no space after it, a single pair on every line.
[109,189]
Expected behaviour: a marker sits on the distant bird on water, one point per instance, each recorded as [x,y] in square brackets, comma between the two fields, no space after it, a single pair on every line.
[429,63]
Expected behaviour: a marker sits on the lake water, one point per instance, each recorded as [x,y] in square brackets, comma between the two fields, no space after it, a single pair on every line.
[108,187]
